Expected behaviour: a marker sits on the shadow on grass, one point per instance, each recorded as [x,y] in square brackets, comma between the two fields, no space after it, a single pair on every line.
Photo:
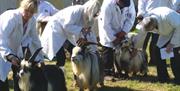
[147,78]
[151,79]
[106,88]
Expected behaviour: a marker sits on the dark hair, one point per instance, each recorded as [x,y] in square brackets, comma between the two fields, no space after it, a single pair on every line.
[126,3]
[123,3]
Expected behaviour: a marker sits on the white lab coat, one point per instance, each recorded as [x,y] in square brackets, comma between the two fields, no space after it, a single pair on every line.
[145,6]
[12,39]
[45,10]
[113,20]
[176,4]
[66,24]
[168,26]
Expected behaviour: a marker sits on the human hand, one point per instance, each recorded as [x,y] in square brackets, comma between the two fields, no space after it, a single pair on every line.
[120,35]
[169,48]
[14,60]
[81,42]
[116,41]
[139,18]
[86,30]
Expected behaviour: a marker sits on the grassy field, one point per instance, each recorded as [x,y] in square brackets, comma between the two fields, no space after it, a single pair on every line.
[132,84]
[138,83]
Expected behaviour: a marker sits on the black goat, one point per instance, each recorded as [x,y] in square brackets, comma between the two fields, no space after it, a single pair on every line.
[36,77]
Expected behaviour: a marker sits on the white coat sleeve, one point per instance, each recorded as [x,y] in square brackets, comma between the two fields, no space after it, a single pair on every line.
[6,26]
[141,7]
[35,41]
[70,24]
[45,10]
[174,21]
[105,20]
[130,18]
[53,9]
[176,4]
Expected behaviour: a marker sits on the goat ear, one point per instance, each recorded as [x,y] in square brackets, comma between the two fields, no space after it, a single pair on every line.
[32,58]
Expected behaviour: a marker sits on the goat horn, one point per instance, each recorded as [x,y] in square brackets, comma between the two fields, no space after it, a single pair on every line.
[26,52]
[32,58]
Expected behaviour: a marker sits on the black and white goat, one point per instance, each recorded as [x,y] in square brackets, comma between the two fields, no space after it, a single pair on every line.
[35,77]
[130,59]
[86,68]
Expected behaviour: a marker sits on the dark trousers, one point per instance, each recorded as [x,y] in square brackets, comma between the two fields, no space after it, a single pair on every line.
[161,66]
[175,65]
[154,38]
[107,57]
[4,86]
[61,56]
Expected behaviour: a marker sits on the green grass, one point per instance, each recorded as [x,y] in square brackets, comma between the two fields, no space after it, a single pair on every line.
[138,83]
[133,84]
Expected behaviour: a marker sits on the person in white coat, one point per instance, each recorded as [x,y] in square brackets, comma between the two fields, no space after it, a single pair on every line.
[17,30]
[115,21]
[176,5]
[68,24]
[45,11]
[145,6]
[166,21]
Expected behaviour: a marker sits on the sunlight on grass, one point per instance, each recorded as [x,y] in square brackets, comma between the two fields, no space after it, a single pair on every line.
[127,85]
[132,84]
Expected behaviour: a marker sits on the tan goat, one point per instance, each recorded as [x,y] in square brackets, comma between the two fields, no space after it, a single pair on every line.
[130,59]
[86,67]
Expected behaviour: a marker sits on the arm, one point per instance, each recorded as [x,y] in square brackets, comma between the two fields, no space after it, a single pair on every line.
[174,21]
[6,28]
[71,22]
[130,15]
[141,8]
[105,20]
[52,8]
[176,5]
[35,41]
[45,11]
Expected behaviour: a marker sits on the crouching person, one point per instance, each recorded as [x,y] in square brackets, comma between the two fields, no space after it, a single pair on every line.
[17,30]
[85,63]
[67,24]
[166,21]
[115,21]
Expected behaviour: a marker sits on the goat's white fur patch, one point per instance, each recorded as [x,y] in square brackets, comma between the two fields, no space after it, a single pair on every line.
[24,82]
[82,68]
[25,63]
[134,63]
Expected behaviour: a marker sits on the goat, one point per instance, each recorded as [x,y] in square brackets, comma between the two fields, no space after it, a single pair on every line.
[86,68]
[130,59]
[36,77]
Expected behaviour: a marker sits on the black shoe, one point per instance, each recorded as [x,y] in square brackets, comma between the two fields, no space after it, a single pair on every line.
[167,80]
[177,82]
